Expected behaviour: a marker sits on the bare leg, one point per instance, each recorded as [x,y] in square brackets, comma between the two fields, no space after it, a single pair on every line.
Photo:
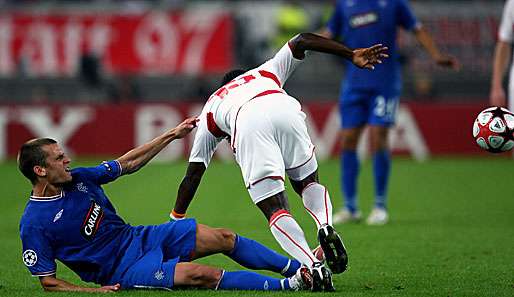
[213,240]
[196,275]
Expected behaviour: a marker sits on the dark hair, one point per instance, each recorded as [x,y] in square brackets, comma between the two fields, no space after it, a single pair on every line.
[31,154]
[231,75]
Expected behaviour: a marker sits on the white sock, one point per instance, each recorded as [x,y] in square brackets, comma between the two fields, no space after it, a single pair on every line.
[316,201]
[290,236]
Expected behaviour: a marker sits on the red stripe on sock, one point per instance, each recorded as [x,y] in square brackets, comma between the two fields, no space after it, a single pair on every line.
[276,214]
[294,242]
[313,215]
[326,206]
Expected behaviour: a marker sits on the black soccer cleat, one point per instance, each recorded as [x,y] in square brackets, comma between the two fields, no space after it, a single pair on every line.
[321,278]
[333,247]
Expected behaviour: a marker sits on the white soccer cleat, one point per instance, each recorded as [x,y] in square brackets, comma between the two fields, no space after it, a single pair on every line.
[302,280]
[378,216]
[345,216]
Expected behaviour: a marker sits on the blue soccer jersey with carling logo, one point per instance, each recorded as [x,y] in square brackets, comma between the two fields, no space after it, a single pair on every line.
[78,227]
[362,23]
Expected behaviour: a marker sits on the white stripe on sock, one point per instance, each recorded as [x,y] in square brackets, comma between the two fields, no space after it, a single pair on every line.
[286,268]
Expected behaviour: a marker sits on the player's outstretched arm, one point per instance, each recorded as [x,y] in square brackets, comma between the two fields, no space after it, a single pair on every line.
[187,189]
[138,157]
[363,57]
[53,284]
[426,40]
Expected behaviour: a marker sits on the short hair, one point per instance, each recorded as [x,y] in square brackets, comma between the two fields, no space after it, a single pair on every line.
[31,154]
[229,76]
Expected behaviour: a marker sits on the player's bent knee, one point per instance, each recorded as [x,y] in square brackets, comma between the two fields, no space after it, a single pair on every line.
[227,239]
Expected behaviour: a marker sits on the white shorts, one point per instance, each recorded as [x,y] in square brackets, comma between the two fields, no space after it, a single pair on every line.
[270,138]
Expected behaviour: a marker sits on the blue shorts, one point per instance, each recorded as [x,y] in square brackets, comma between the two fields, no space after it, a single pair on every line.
[154,251]
[359,107]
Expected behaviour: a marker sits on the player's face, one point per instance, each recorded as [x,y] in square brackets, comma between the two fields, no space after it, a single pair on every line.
[57,165]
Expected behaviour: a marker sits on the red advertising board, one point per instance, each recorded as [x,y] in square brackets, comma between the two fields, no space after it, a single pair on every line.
[422,130]
[151,42]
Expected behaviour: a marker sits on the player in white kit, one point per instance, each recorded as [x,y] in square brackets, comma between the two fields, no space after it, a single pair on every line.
[502,58]
[267,133]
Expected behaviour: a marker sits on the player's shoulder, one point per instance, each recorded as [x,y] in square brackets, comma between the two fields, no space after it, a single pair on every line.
[32,217]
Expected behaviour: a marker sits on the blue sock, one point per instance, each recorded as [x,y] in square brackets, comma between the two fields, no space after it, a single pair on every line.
[349,173]
[253,255]
[381,170]
[247,280]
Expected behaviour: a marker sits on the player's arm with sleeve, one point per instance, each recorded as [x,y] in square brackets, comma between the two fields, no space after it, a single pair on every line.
[39,258]
[361,57]
[138,157]
[502,55]
[203,148]
[408,21]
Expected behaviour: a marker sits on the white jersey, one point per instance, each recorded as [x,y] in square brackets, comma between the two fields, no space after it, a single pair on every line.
[217,120]
[506,34]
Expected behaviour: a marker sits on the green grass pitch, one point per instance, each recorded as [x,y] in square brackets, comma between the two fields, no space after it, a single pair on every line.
[451,231]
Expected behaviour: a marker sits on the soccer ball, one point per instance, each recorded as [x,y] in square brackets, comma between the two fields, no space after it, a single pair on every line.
[493,130]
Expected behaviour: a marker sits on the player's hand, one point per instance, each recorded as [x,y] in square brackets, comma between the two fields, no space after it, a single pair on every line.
[497,97]
[185,127]
[448,62]
[108,289]
[368,57]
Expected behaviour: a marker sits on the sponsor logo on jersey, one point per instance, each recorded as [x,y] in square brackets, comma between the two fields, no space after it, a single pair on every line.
[58,215]
[92,221]
[363,19]
[29,258]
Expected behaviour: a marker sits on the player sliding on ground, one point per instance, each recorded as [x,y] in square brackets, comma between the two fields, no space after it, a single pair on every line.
[69,218]
[267,132]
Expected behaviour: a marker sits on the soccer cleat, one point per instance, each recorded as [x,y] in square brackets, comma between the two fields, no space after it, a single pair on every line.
[378,216]
[333,248]
[322,278]
[346,216]
[302,280]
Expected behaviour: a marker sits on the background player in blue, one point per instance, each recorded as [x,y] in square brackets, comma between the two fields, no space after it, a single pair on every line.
[69,218]
[371,97]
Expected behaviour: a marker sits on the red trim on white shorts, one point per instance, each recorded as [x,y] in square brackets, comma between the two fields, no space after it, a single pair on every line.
[273,177]
[312,155]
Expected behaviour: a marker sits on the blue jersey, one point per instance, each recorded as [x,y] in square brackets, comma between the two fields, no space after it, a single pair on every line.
[362,23]
[78,227]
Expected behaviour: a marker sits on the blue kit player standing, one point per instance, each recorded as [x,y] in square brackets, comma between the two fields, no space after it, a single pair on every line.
[370,98]
[69,218]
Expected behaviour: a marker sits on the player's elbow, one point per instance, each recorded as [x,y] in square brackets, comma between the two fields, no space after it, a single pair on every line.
[300,43]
